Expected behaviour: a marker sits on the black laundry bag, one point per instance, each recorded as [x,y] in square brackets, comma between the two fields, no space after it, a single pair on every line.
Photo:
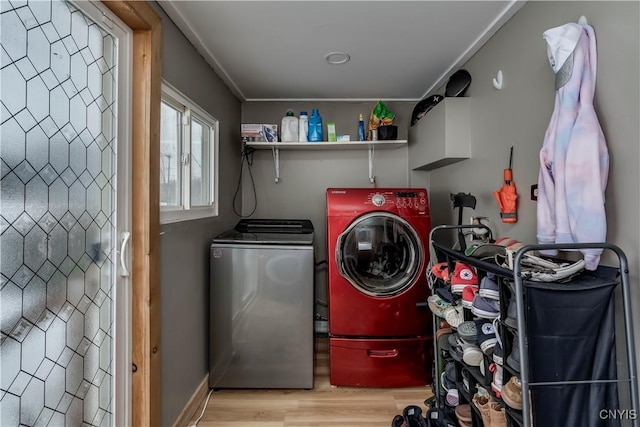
[571,336]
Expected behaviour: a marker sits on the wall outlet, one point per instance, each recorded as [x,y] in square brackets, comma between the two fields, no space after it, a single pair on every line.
[321,327]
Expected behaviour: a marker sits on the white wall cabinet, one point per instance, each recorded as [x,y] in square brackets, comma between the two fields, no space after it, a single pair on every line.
[442,136]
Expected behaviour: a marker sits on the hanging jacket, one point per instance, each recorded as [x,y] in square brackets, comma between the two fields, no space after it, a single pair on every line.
[574,161]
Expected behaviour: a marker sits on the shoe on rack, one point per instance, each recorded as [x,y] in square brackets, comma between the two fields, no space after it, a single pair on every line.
[472,355]
[466,379]
[486,335]
[468,294]
[463,276]
[467,331]
[512,314]
[482,403]
[489,287]
[514,357]
[453,398]
[444,292]
[512,393]
[398,421]
[454,315]
[498,416]
[498,350]
[485,308]
[463,414]
[437,305]
[496,383]
[443,342]
[412,415]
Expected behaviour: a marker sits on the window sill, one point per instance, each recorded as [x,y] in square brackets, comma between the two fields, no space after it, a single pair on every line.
[177,215]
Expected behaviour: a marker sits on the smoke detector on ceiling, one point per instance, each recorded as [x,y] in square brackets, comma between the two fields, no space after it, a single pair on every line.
[336,58]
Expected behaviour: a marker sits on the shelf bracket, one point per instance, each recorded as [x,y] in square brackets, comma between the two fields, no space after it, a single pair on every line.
[372,178]
[276,162]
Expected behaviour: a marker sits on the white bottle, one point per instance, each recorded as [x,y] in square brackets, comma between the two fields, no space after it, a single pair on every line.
[303,126]
[289,129]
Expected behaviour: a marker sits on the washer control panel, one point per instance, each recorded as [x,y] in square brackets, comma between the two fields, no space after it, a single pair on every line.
[378,200]
[413,200]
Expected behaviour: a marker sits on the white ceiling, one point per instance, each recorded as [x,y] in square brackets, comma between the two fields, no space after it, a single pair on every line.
[400,50]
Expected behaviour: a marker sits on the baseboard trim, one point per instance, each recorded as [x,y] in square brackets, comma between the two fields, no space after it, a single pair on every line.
[194,404]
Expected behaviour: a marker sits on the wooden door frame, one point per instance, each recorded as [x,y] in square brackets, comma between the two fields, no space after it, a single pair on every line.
[145,275]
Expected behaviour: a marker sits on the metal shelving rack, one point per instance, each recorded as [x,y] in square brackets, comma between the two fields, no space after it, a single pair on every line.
[518,279]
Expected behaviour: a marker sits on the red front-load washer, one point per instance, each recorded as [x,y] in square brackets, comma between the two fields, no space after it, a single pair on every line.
[377,253]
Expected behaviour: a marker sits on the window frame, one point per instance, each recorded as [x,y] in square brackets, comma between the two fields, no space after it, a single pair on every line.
[190,110]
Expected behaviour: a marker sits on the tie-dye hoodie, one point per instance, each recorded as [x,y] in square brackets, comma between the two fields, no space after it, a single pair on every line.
[574,161]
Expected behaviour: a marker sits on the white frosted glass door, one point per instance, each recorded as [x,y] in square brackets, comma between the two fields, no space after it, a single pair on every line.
[61,215]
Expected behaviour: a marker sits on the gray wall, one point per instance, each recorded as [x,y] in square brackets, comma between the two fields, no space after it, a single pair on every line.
[184,269]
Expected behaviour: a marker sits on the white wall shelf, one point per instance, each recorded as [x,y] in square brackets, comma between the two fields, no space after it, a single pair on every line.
[325,145]
[371,146]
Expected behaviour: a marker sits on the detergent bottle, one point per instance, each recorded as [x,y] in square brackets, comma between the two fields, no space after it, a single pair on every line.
[303,126]
[289,129]
[315,126]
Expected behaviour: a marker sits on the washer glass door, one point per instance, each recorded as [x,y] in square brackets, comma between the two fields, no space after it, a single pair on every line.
[379,254]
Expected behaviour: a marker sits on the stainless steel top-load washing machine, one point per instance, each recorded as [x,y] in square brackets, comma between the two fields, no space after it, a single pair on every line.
[262,305]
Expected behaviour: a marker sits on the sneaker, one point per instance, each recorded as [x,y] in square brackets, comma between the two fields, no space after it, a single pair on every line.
[413,416]
[486,336]
[482,403]
[454,315]
[512,314]
[453,397]
[512,393]
[514,357]
[489,288]
[468,294]
[446,383]
[485,308]
[441,271]
[444,292]
[437,305]
[472,355]
[466,380]
[463,276]
[498,351]
[467,331]
[455,350]
[496,382]
[398,421]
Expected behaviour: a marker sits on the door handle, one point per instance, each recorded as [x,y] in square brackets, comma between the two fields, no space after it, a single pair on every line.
[123,253]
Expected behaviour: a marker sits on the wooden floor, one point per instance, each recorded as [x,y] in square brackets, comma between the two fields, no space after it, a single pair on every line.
[325,405]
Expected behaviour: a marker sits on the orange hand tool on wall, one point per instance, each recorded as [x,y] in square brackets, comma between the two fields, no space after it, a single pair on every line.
[506,196]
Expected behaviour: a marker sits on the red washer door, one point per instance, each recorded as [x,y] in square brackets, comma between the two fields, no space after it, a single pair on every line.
[381,258]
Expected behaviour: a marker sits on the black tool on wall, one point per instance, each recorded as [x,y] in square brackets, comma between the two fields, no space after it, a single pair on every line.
[461,201]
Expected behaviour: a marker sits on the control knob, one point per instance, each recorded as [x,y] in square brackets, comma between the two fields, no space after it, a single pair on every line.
[378,199]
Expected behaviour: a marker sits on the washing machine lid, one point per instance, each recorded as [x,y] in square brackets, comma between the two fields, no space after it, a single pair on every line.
[380,254]
[270,231]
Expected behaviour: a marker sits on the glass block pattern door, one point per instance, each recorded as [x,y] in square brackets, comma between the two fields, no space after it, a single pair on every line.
[57,216]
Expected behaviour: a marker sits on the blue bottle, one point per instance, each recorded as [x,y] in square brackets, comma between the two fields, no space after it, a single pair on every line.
[315,126]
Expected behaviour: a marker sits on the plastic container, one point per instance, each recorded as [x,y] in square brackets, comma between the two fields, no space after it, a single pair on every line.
[289,129]
[315,126]
[303,126]
[331,132]
[361,128]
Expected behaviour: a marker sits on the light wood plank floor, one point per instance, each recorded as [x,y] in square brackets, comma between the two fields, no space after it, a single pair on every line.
[324,406]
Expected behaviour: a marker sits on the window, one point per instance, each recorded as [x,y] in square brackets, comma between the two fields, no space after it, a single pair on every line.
[188,159]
